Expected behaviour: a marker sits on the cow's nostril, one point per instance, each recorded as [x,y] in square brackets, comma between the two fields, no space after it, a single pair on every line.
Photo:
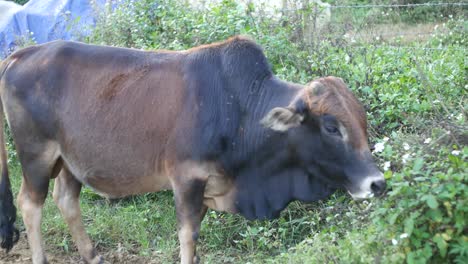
[378,187]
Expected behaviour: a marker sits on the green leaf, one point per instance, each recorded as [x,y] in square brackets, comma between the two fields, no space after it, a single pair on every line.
[409,225]
[431,201]
[456,161]
[393,218]
[435,215]
[441,244]
[388,174]
[410,258]
[418,163]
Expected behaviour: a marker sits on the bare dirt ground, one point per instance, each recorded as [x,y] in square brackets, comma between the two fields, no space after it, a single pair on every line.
[391,32]
[21,254]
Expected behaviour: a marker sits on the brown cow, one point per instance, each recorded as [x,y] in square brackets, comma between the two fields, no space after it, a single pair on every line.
[212,123]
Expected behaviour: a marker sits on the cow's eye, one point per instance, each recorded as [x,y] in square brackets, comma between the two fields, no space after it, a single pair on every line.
[332,130]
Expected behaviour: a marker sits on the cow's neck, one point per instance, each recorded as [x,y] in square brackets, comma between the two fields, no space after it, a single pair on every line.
[250,136]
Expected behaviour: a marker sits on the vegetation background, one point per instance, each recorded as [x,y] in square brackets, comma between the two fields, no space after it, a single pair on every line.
[21,2]
[406,63]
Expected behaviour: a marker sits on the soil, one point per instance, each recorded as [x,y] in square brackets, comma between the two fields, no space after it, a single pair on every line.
[392,32]
[20,254]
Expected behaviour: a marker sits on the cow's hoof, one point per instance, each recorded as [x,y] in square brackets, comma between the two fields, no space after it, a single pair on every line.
[97,260]
[196,260]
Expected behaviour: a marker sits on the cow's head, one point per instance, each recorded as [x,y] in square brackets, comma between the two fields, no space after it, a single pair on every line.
[326,127]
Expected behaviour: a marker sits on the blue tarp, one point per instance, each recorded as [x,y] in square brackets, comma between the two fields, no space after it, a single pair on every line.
[45,20]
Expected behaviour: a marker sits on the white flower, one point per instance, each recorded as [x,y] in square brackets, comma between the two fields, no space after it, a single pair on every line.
[385,139]
[427,141]
[386,165]
[455,152]
[379,147]
[404,235]
[394,242]
[406,146]
[405,158]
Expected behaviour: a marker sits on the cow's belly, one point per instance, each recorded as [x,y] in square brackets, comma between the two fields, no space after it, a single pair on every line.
[121,185]
[114,183]
[115,171]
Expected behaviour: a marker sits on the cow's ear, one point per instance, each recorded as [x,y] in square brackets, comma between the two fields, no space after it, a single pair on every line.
[282,118]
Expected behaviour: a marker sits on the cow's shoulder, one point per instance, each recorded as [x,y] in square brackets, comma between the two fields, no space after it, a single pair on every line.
[242,52]
[234,64]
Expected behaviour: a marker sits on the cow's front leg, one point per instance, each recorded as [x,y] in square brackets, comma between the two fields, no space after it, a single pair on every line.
[190,212]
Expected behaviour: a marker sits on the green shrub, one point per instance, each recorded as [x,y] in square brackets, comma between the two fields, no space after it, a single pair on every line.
[21,2]
[428,199]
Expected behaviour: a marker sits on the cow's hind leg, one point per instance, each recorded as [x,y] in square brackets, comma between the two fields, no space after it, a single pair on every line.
[37,172]
[66,196]
[190,212]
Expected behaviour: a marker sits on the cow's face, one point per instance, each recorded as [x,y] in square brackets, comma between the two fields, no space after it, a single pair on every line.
[326,130]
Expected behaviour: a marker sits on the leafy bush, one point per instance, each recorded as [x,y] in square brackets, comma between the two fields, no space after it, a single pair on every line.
[21,2]
[427,205]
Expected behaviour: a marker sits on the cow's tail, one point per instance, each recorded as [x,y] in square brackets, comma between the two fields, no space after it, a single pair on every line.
[9,235]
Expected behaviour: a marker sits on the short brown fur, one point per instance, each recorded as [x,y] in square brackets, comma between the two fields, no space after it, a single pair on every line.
[336,99]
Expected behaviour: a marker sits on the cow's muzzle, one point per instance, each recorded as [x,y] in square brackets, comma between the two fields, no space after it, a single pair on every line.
[369,187]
